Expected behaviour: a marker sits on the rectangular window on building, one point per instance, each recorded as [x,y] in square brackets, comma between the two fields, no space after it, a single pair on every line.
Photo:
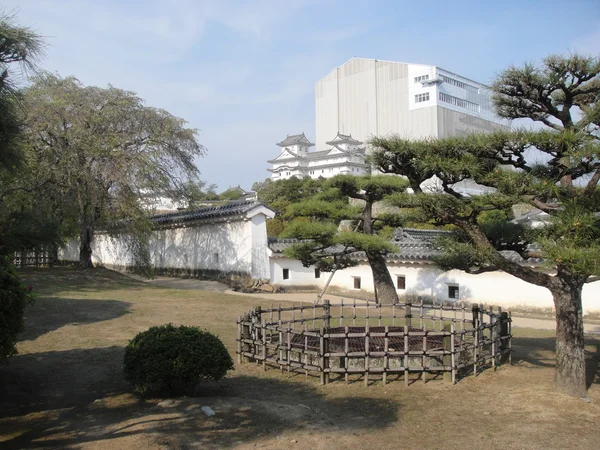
[421,78]
[419,98]
[356,282]
[317,273]
[400,282]
[216,258]
[286,274]
[453,291]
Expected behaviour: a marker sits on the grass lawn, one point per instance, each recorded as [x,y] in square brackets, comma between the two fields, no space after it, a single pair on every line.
[65,388]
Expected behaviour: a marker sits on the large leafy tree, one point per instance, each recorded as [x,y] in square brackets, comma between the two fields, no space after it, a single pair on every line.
[99,151]
[20,48]
[329,248]
[564,185]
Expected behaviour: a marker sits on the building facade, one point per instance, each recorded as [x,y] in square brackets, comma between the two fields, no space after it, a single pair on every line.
[344,155]
[368,97]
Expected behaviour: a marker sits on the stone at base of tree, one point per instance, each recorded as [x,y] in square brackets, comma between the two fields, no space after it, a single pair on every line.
[207,410]
[586,399]
[167,403]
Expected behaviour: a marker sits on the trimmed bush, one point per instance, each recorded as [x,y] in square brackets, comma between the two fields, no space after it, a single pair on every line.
[169,360]
[14,297]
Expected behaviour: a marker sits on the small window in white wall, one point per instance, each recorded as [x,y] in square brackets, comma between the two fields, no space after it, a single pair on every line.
[286,274]
[453,291]
[422,97]
[400,282]
[216,258]
[356,282]
[317,273]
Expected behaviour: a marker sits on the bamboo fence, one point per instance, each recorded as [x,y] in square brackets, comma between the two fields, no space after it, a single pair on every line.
[376,341]
[32,258]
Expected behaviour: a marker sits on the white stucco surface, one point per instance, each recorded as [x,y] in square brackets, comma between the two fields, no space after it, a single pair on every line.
[495,288]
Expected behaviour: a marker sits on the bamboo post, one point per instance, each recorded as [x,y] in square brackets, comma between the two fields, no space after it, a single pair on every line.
[326,314]
[393,314]
[342,313]
[385,356]
[257,338]
[264,348]
[447,346]
[289,352]
[353,312]
[246,335]
[424,373]
[322,355]
[504,337]
[509,338]
[453,350]
[346,377]
[239,343]
[408,312]
[493,337]
[421,314]
[406,355]
[280,345]
[366,355]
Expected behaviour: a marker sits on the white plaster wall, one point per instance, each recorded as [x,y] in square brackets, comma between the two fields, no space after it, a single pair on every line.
[260,256]
[191,248]
[195,247]
[495,288]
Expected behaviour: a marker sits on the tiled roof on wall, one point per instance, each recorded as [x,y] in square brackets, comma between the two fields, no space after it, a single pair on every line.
[234,208]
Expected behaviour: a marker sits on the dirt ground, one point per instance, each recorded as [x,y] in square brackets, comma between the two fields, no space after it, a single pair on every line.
[65,388]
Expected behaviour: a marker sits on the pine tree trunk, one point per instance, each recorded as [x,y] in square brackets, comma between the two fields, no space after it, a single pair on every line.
[85,247]
[382,280]
[570,355]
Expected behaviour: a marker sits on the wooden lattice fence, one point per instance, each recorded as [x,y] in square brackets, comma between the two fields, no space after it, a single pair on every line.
[365,339]
[32,258]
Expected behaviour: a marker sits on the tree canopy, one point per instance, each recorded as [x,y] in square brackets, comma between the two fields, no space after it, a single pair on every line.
[329,248]
[564,185]
[96,152]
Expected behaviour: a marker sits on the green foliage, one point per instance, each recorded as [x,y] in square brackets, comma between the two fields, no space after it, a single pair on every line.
[317,231]
[278,195]
[14,297]
[169,360]
[20,48]
[94,153]
[369,243]
[275,227]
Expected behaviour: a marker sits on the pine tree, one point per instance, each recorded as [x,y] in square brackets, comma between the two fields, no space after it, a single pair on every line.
[327,247]
[565,186]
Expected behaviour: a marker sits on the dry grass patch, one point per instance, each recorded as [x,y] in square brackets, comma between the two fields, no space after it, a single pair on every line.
[65,388]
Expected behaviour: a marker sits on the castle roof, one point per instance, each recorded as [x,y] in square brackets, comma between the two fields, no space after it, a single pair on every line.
[295,139]
[344,139]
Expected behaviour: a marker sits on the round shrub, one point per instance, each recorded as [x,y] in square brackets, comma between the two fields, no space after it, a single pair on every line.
[171,360]
[14,296]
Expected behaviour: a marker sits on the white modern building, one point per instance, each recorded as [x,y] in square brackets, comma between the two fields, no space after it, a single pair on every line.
[344,155]
[369,97]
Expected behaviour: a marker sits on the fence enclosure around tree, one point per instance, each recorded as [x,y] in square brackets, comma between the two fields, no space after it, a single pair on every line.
[374,340]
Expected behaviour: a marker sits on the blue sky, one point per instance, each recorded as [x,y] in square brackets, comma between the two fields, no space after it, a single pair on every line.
[243,72]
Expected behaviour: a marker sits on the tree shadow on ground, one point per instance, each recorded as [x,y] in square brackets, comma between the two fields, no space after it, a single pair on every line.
[541,352]
[51,313]
[58,399]
[57,279]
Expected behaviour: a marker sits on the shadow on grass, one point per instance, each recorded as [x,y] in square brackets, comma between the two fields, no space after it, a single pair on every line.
[52,400]
[541,352]
[52,313]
